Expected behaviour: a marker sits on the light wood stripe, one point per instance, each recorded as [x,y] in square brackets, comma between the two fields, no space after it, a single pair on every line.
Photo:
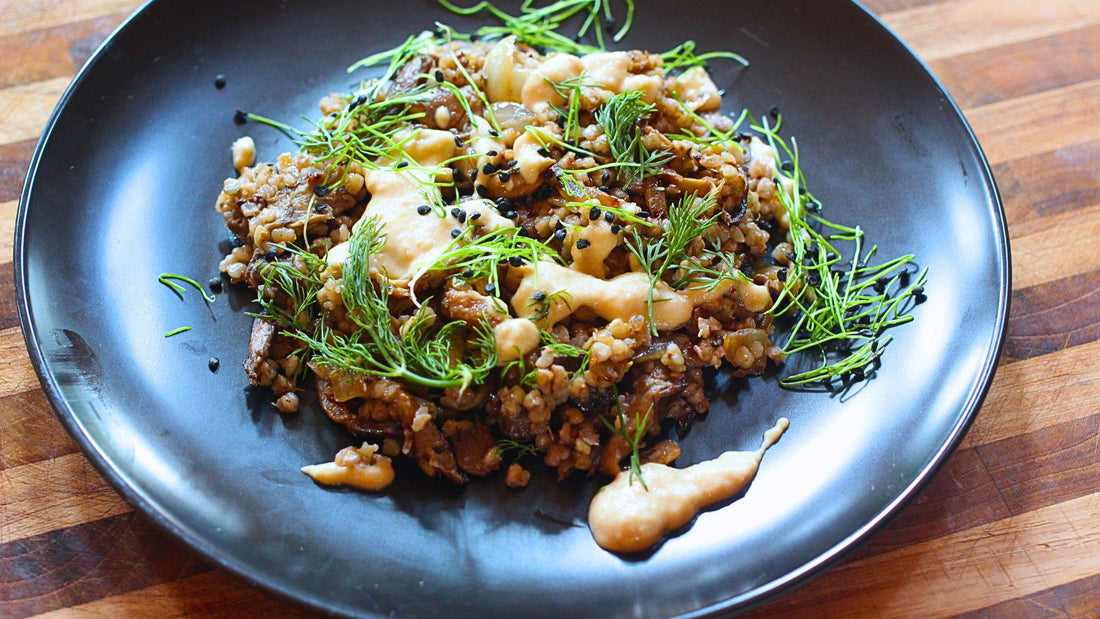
[18,375]
[211,594]
[963,26]
[7,227]
[1039,392]
[25,109]
[53,494]
[19,17]
[1038,123]
[968,570]
[1043,252]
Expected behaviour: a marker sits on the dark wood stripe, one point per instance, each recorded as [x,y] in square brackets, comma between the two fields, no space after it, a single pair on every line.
[1073,599]
[9,315]
[53,52]
[88,562]
[961,495]
[980,77]
[15,158]
[1053,316]
[1047,466]
[32,432]
[1060,181]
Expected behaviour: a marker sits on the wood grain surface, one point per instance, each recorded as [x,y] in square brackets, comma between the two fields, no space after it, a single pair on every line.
[1009,527]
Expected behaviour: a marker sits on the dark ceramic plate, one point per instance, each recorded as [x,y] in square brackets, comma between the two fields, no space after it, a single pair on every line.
[122,189]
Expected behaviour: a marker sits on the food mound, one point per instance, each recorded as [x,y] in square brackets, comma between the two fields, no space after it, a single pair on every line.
[494,253]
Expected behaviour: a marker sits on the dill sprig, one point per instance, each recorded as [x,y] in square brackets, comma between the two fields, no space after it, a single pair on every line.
[688,220]
[633,439]
[538,26]
[297,305]
[620,118]
[177,331]
[417,352]
[480,258]
[507,445]
[842,307]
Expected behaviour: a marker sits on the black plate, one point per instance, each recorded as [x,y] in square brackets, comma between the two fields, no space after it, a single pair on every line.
[122,189]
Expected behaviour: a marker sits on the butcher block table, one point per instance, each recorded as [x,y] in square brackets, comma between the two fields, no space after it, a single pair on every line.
[1010,526]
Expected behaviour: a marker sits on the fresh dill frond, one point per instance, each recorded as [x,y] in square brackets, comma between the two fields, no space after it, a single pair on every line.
[479,258]
[177,331]
[169,279]
[417,352]
[621,118]
[508,446]
[565,349]
[287,293]
[688,219]
[633,439]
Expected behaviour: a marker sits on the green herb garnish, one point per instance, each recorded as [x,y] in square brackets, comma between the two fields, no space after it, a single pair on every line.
[167,280]
[633,439]
[620,118]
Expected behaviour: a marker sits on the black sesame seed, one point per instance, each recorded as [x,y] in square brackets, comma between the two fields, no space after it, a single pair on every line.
[510,214]
[560,234]
[643,214]
[423,209]
[582,243]
[490,288]
[439,76]
[271,255]
[401,164]
[360,100]
[880,284]
[616,228]
[503,203]
[781,275]
[473,175]
[321,190]
[458,142]
[488,168]
[240,117]
[606,177]
[213,364]
[215,284]
[919,290]
[595,213]
[560,121]
[475,216]
[494,133]
[867,333]
[539,295]
[791,257]
[543,152]
[774,112]
[491,153]
[455,212]
[609,217]
[468,273]
[813,279]
[219,82]
[515,261]
[457,175]
[482,190]
[235,240]
[320,207]
[455,233]
[504,177]
[787,166]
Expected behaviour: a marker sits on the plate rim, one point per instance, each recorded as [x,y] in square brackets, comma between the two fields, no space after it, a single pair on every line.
[754,598]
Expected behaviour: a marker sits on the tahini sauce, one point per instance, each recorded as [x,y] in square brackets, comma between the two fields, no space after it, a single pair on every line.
[359,467]
[625,517]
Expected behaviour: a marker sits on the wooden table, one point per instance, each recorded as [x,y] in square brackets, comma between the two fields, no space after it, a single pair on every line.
[1011,524]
